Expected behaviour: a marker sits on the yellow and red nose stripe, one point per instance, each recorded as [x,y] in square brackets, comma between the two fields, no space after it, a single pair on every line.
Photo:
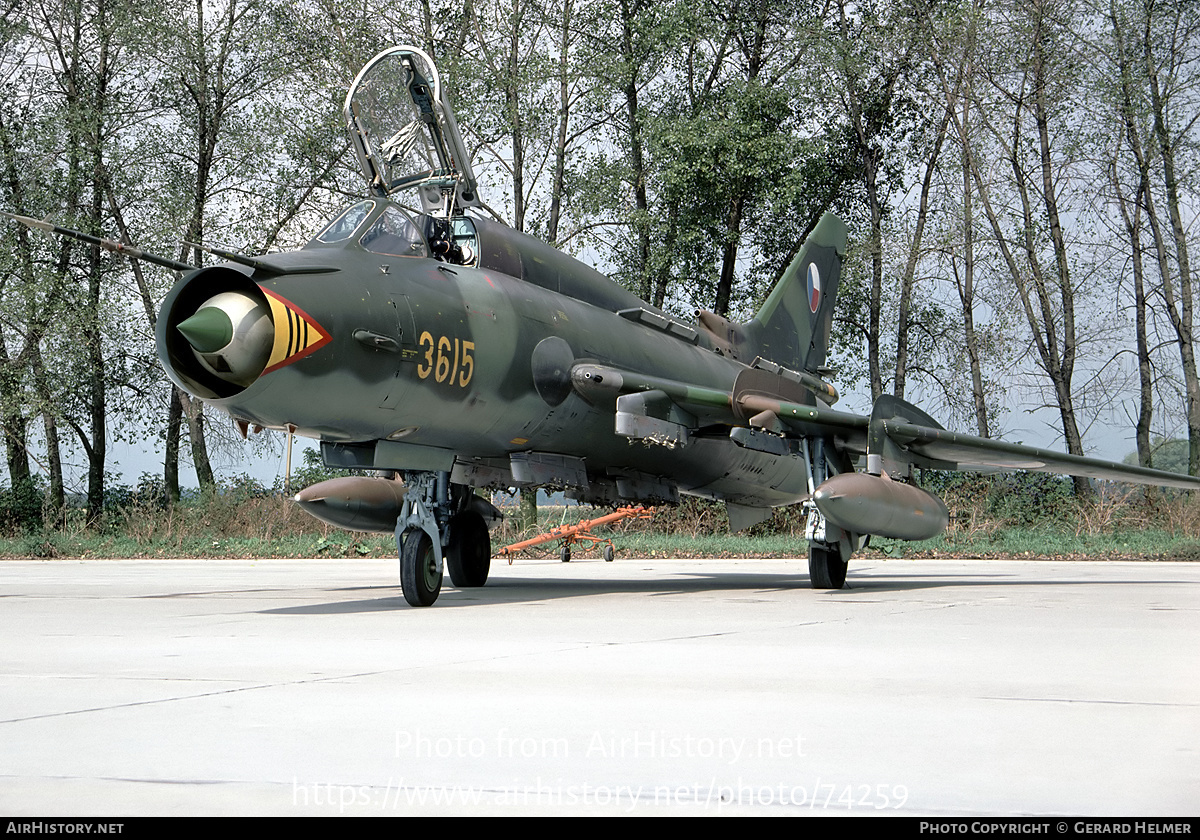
[297,334]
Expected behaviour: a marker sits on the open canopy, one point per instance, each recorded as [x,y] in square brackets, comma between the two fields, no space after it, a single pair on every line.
[405,133]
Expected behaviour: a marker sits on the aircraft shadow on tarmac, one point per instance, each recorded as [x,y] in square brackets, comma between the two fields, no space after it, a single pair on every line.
[501,590]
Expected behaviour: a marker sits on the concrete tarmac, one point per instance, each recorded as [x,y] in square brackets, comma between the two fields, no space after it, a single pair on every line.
[284,687]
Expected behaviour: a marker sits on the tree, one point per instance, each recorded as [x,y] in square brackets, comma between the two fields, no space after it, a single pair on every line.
[1151,92]
[75,45]
[247,146]
[871,54]
[954,53]
[1032,73]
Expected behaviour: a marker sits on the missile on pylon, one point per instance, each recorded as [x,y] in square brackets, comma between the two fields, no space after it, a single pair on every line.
[871,504]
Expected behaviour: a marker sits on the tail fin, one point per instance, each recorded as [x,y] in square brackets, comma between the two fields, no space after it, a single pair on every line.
[792,328]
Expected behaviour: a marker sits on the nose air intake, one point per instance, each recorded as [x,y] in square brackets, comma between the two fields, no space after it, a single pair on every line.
[231,335]
[219,332]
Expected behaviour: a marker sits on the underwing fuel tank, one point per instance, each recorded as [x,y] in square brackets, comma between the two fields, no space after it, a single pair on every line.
[362,503]
[870,504]
[356,503]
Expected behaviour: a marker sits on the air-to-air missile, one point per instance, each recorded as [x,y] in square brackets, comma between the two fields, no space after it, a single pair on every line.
[447,349]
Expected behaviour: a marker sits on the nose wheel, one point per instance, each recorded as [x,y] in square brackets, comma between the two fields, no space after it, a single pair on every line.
[420,571]
[440,521]
[469,552]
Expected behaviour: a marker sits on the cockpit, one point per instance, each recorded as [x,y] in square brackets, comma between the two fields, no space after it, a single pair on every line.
[406,139]
[384,227]
[345,224]
[387,228]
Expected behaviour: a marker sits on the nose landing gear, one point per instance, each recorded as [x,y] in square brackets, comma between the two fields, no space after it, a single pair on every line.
[440,521]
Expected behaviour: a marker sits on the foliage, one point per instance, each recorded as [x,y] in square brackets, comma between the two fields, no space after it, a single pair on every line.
[314,471]
[21,507]
[685,146]
[240,518]
[1022,499]
[1166,454]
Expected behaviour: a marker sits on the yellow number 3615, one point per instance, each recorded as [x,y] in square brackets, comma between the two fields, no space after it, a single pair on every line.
[448,360]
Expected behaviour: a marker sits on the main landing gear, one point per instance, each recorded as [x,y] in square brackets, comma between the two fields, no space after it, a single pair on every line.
[440,521]
[829,547]
[829,550]
[826,568]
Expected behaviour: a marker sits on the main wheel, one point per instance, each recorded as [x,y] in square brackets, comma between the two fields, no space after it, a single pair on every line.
[420,577]
[826,568]
[565,554]
[469,553]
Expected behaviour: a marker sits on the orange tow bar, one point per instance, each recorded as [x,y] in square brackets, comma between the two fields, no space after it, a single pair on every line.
[569,534]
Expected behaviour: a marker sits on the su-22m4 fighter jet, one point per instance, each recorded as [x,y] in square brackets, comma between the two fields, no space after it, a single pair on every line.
[453,352]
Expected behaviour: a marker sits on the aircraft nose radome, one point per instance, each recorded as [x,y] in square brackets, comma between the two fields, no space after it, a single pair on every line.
[208,330]
[232,335]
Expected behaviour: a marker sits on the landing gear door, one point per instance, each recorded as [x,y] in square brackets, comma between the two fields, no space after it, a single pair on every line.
[405,134]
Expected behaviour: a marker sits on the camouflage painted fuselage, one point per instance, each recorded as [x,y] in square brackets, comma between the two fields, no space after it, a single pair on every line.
[412,363]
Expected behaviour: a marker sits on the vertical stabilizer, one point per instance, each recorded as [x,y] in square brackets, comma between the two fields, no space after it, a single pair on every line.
[792,328]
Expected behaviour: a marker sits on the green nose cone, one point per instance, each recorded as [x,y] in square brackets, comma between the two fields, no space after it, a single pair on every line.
[208,330]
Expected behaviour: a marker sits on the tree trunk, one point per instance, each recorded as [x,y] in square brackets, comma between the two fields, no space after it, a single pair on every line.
[528,516]
[733,235]
[93,329]
[193,410]
[641,274]
[557,188]
[171,457]
[1170,181]
[56,500]
[910,268]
